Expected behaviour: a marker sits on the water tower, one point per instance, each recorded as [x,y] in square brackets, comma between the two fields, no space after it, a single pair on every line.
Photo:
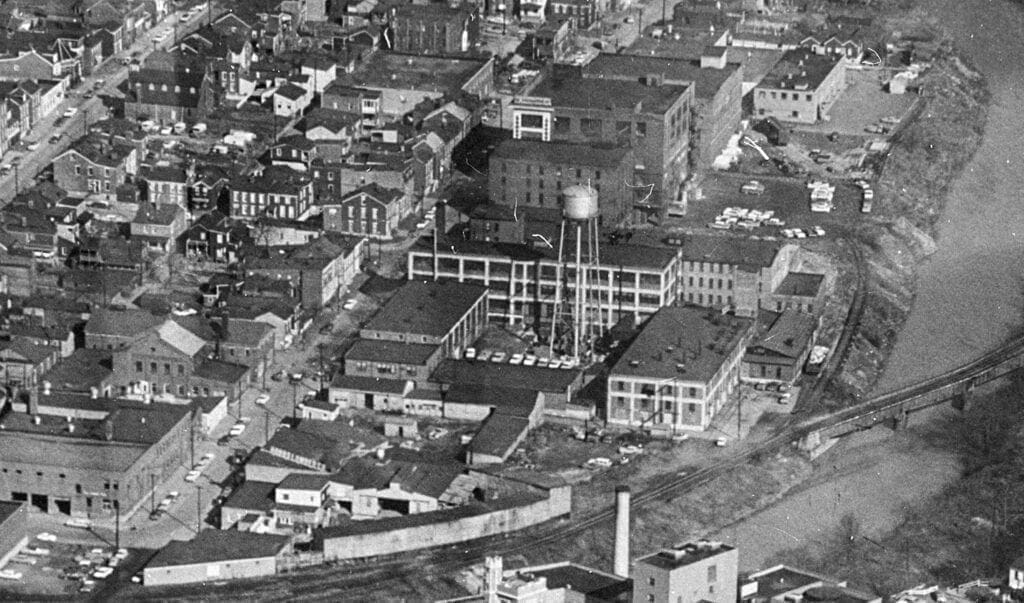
[577,304]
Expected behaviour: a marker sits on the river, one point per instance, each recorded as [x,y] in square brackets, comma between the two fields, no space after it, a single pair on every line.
[969,298]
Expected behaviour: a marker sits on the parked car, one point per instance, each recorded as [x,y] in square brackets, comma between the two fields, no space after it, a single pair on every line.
[470,354]
[598,462]
[516,359]
[77,522]
[237,429]
[70,112]
[262,399]
[46,537]
[55,138]
[193,475]
[721,442]
[349,304]
[8,574]
[499,357]
[752,188]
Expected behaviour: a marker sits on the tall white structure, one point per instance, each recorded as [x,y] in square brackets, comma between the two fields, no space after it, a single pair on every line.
[577,316]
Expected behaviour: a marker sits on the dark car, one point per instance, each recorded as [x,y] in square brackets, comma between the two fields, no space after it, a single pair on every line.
[156,514]
[55,138]
[326,329]
[224,440]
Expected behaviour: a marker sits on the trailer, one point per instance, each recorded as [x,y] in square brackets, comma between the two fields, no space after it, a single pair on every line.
[816,359]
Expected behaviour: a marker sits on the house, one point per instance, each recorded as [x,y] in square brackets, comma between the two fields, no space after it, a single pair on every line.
[114,327]
[371,211]
[110,254]
[167,184]
[584,12]
[301,500]
[779,351]
[552,40]
[802,291]
[320,69]
[216,238]
[94,165]
[323,445]
[376,393]
[318,409]
[170,361]
[322,125]
[56,334]
[216,555]
[533,173]
[801,87]
[319,269]
[360,102]
[159,226]
[695,571]
[236,340]
[679,371]
[23,364]
[275,191]
[296,152]
[291,100]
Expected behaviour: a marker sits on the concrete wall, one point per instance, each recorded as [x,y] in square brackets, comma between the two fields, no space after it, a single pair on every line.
[557,504]
[202,572]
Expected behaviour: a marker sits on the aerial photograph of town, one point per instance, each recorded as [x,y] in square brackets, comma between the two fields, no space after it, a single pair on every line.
[682,301]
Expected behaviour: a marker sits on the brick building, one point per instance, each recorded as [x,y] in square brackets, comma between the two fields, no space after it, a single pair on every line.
[369,210]
[275,191]
[801,87]
[432,29]
[95,165]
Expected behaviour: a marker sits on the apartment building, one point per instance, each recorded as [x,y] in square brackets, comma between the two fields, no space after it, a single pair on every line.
[801,87]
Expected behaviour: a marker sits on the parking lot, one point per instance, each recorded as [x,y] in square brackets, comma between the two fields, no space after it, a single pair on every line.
[787,198]
[57,567]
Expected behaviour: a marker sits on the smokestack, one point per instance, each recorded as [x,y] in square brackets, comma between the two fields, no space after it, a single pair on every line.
[441,218]
[94,392]
[46,388]
[621,531]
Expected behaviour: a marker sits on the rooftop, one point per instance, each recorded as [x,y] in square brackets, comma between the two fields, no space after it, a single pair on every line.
[800,69]
[642,257]
[632,67]
[473,373]
[685,554]
[789,335]
[100,151]
[683,343]
[375,350]
[218,545]
[514,401]
[430,308]
[8,508]
[389,70]
[498,434]
[801,284]
[609,95]
[748,254]
[585,580]
[304,481]
[252,495]
[561,153]
[369,384]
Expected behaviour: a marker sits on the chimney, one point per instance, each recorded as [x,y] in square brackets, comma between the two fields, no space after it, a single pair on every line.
[621,561]
[94,392]
[46,388]
[108,429]
[493,566]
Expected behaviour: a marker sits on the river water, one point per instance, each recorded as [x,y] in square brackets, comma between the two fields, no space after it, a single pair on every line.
[969,294]
[969,299]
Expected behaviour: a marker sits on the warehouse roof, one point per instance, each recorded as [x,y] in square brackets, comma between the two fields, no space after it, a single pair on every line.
[426,308]
[376,350]
[211,546]
[475,373]
[801,69]
[706,81]
[598,155]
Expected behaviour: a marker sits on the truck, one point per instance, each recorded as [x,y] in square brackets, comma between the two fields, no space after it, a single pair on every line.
[816,360]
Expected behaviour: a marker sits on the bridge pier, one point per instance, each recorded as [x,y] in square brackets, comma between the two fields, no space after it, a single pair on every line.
[900,421]
[813,446]
[960,400]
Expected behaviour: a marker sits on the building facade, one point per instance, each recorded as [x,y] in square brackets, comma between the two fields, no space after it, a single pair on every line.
[801,87]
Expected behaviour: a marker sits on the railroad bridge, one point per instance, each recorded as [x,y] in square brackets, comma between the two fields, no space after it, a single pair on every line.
[893,408]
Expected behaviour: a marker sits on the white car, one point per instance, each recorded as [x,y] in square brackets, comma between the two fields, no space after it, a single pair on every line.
[7,574]
[599,461]
[721,442]
[36,551]
[102,573]
[121,554]
[499,357]
[631,449]
[46,537]
[516,359]
[70,112]
[529,360]
[818,231]
[166,131]
[349,304]
[193,475]
[78,523]
[470,354]
[237,429]
[262,399]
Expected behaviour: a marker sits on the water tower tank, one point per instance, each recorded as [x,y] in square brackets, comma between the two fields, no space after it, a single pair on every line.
[579,202]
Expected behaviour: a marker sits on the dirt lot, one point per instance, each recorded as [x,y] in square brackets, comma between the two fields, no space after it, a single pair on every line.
[862,104]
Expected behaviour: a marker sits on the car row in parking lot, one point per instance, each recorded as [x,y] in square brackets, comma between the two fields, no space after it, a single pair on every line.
[519,358]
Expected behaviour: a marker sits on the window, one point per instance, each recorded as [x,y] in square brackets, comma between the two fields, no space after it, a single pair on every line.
[712,573]
[138,366]
[181,369]
[167,368]
[796,114]
[641,128]
[783,96]
[650,580]
[808,98]
[562,125]
[152,367]
[590,127]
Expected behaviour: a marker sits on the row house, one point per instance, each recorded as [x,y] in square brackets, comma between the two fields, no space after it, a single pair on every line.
[23,364]
[216,238]
[291,100]
[167,185]
[370,211]
[239,341]
[94,165]
[159,226]
[362,102]
[296,152]
[318,269]
[435,29]
[275,191]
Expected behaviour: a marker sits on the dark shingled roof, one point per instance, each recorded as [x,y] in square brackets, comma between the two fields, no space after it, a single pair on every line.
[498,434]
[587,93]
[252,496]
[789,335]
[748,254]
[304,481]
[426,308]
[706,82]
[587,581]
[210,546]
[473,373]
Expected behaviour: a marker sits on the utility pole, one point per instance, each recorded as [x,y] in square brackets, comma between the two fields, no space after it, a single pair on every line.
[266,425]
[320,354]
[15,178]
[199,508]
[152,492]
[295,404]
[739,416]
[117,524]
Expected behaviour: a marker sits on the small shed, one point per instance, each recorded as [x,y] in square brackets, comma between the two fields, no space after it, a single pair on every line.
[401,427]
